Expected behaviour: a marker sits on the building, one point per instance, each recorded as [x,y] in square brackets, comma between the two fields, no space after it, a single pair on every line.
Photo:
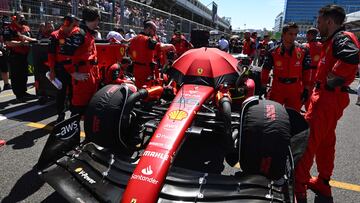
[279,22]
[304,12]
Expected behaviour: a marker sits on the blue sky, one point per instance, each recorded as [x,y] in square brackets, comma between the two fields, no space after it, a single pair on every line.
[256,14]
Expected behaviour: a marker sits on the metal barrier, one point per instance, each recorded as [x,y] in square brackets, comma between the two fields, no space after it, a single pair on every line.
[38,11]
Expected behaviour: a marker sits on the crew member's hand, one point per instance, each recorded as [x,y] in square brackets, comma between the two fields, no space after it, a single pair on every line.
[52,74]
[305,95]
[80,76]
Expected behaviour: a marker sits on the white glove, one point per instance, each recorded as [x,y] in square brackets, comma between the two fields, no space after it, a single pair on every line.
[80,76]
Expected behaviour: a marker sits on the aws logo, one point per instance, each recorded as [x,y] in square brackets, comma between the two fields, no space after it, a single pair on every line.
[69,130]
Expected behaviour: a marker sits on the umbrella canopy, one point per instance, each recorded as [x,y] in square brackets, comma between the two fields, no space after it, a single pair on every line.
[205,66]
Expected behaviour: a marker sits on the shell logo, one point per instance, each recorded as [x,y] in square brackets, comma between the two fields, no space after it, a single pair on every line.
[77,170]
[122,50]
[298,55]
[316,58]
[177,115]
[278,63]
[133,200]
[61,41]
[200,71]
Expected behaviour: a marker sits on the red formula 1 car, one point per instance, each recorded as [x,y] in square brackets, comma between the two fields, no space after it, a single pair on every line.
[198,146]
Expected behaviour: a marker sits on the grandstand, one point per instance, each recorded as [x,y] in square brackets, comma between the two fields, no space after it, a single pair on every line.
[183,15]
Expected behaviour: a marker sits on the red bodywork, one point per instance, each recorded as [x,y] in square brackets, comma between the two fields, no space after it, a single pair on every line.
[150,173]
[109,54]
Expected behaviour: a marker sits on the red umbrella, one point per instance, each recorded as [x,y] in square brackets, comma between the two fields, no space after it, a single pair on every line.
[205,66]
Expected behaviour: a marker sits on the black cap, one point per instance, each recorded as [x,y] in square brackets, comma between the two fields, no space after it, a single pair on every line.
[71,18]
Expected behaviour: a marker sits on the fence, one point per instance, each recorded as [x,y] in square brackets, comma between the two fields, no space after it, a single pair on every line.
[38,11]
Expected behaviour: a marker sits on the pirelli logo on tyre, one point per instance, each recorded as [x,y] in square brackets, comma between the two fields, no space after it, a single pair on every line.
[177,115]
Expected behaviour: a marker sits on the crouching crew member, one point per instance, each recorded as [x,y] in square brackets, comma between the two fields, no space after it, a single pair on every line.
[180,43]
[142,50]
[288,62]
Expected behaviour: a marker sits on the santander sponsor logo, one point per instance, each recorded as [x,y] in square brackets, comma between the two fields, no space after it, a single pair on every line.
[144,176]
[147,171]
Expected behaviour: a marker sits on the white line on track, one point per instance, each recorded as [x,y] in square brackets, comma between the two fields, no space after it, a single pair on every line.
[24,111]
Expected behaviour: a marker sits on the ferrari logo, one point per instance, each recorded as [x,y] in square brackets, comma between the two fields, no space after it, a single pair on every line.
[133,200]
[61,41]
[200,71]
[77,170]
[298,55]
[177,115]
[122,50]
[316,58]
[278,63]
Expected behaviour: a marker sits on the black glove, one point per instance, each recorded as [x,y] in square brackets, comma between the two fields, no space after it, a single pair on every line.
[305,95]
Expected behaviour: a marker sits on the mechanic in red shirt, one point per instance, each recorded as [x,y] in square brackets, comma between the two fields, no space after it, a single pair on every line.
[84,70]
[314,48]
[249,45]
[17,40]
[287,61]
[263,49]
[339,59]
[60,52]
[142,50]
[180,43]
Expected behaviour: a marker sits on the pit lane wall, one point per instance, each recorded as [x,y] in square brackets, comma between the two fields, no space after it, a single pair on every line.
[135,12]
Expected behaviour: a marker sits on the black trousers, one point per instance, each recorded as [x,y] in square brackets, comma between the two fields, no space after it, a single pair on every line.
[66,89]
[19,73]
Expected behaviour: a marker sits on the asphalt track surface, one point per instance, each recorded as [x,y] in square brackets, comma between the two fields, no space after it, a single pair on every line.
[25,128]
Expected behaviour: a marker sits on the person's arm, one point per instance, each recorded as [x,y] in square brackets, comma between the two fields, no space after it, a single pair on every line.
[306,74]
[306,68]
[72,43]
[346,51]
[266,68]
[51,55]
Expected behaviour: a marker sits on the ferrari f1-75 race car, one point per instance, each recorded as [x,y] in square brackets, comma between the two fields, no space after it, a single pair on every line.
[205,139]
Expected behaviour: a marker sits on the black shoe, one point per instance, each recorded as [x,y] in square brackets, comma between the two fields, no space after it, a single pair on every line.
[323,199]
[7,87]
[20,99]
[29,96]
